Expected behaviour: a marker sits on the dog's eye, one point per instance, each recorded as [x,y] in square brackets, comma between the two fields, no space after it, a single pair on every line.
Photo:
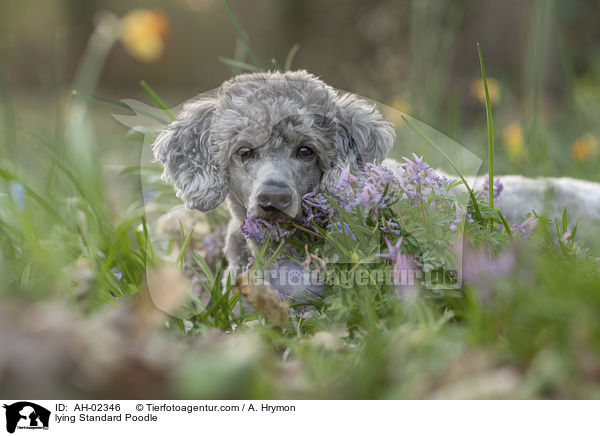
[305,152]
[245,153]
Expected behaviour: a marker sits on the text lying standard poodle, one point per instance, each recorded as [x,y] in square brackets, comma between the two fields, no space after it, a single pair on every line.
[267,139]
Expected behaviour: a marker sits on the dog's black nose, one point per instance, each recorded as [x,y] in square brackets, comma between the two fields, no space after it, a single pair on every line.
[274,196]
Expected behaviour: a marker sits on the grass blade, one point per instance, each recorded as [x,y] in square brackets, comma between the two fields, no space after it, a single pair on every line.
[287,66]
[505,224]
[490,128]
[241,35]
[117,104]
[157,100]
[239,64]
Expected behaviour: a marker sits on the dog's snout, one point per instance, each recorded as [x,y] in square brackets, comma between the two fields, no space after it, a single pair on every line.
[274,196]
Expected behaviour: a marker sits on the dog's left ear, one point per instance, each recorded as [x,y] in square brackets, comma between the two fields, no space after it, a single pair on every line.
[362,136]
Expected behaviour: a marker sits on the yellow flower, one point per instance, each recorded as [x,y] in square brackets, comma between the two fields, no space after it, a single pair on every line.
[394,108]
[400,104]
[143,33]
[584,147]
[478,91]
[512,137]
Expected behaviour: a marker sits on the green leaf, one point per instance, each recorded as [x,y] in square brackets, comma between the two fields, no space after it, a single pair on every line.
[157,100]
[490,128]
[287,66]
[239,64]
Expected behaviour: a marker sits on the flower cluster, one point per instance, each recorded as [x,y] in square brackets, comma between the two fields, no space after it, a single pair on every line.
[373,189]
[418,177]
[376,188]
[259,230]
[391,227]
[341,227]
[316,210]
[485,189]
[526,227]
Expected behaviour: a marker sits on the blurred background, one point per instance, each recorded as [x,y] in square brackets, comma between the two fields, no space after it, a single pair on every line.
[542,58]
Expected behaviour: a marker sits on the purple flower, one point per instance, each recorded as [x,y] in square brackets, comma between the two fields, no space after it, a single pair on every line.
[404,267]
[118,275]
[341,227]
[526,227]
[399,260]
[259,230]
[498,187]
[393,249]
[372,189]
[391,227]
[418,172]
[316,209]
[370,197]
[347,183]
[418,177]
[251,260]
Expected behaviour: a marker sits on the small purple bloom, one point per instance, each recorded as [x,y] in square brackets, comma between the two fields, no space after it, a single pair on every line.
[418,178]
[373,189]
[526,227]
[347,182]
[565,237]
[251,260]
[399,260]
[316,209]
[259,230]
[118,275]
[341,227]
[498,187]
[255,229]
[391,227]
[404,268]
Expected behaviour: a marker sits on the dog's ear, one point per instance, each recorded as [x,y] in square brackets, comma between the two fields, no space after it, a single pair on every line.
[184,150]
[362,127]
[362,136]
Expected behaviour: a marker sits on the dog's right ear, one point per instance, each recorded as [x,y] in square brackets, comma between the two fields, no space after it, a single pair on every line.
[184,150]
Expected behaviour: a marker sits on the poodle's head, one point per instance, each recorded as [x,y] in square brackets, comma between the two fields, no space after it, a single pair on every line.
[266,139]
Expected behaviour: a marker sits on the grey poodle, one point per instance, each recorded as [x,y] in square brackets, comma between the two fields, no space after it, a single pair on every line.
[267,139]
[262,143]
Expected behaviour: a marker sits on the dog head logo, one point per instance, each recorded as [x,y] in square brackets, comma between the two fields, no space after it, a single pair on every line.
[26,415]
